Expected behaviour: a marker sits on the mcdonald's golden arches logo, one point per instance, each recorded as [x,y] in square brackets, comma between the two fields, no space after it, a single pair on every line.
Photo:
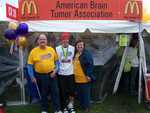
[29,7]
[132,7]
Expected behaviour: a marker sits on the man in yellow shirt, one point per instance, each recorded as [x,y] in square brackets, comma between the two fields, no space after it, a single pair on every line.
[43,59]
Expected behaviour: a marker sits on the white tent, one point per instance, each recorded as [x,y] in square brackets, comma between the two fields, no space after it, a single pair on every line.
[146,26]
[95,26]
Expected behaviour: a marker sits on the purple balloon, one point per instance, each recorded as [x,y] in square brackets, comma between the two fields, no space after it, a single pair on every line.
[10,34]
[22,29]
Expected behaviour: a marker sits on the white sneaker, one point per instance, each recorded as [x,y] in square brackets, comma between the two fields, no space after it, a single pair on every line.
[58,112]
[65,111]
[44,112]
[70,105]
[72,110]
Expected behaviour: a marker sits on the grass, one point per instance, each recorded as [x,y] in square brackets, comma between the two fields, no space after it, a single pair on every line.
[113,104]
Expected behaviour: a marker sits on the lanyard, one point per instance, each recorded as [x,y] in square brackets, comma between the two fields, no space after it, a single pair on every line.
[65,53]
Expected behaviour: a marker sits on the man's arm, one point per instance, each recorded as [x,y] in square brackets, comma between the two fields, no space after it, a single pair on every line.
[31,72]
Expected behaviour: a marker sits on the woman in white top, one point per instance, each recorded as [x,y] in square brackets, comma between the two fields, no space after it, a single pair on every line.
[132,56]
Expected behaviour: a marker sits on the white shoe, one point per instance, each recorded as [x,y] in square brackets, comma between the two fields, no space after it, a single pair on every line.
[65,111]
[58,112]
[70,105]
[44,112]
[72,110]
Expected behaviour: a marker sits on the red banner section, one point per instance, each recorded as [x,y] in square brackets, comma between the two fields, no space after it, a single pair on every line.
[80,9]
[11,12]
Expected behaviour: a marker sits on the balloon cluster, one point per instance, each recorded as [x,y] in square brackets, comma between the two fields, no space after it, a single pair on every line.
[17,32]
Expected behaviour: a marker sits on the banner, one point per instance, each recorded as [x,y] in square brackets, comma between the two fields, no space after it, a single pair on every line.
[80,9]
[11,12]
[10,5]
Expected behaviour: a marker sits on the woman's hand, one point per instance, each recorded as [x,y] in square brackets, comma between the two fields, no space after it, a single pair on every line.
[89,79]
[34,80]
[53,74]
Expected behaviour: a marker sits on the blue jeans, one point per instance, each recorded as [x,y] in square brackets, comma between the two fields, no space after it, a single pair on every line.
[48,84]
[134,74]
[129,80]
[83,94]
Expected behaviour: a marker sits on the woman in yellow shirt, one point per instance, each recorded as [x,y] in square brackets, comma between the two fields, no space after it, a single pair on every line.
[83,70]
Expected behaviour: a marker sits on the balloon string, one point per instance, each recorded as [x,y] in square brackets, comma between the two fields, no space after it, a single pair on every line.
[11,48]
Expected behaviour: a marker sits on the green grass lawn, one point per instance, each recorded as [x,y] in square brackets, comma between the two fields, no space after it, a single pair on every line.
[112,104]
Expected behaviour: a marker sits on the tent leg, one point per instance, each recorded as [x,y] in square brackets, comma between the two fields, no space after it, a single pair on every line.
[21,64]
[142,63]
[120,72]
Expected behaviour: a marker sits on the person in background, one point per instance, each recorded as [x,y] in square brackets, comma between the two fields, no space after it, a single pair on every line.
[42,60]
[83,71]
[132,57]
[65,53]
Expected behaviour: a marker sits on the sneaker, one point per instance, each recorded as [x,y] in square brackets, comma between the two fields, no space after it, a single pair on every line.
[72,110]
[44,112]
[70,105]
[58,112]
[65,111]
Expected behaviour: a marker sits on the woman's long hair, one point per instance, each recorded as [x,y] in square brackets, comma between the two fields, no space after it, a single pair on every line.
[78,41]
[134,40]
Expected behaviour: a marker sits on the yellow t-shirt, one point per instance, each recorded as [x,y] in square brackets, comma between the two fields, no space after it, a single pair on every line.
[80,77]
[43,60]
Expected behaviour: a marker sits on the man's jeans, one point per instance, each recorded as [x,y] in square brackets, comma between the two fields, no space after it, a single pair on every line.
[46,85]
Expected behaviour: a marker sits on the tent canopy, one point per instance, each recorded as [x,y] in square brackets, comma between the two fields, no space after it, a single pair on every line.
[95,26]
[146,26]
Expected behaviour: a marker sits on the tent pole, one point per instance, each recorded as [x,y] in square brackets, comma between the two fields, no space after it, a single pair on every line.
[120,71]
[140,68]
[21,64]
[142,62]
